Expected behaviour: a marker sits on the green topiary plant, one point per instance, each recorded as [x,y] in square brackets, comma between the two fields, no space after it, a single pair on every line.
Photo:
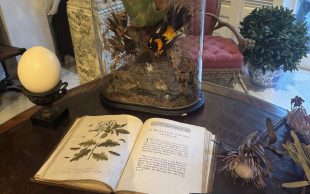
[145,12]
[279,39]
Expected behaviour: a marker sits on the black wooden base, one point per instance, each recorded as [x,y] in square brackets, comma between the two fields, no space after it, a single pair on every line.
[49,121]
[149,109]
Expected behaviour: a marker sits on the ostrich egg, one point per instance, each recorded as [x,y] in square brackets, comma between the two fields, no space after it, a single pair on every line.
[39,70]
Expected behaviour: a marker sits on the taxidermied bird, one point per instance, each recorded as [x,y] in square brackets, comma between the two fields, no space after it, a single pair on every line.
[167,31]
[121,40]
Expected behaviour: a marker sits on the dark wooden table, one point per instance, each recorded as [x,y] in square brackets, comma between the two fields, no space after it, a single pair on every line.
[229,114]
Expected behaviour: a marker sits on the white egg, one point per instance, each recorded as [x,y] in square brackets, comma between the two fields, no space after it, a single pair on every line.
[39,70]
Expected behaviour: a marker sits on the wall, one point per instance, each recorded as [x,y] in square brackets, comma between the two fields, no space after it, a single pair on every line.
[24,24]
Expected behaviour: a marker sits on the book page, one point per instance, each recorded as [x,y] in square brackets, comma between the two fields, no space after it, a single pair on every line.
[95,148]
[210,150]
[168,157]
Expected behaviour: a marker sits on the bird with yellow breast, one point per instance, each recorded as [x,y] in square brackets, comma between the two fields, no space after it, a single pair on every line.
[168,30]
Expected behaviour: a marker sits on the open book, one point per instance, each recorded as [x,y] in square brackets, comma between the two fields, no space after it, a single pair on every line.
[118,153]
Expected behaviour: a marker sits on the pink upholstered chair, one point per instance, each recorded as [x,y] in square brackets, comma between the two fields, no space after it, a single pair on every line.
[221,56]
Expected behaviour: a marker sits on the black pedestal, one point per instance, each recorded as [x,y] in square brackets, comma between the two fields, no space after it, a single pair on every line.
[49,117]
[183,111]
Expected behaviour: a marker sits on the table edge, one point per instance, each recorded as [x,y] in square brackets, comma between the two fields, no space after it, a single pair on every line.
[206,86]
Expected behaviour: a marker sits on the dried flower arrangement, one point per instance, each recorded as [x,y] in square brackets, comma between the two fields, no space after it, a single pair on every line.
[148,65]
[298,119]
[299,150]
[249,161]
[300,153]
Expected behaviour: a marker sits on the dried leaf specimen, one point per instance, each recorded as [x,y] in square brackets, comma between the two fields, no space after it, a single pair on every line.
[95,148]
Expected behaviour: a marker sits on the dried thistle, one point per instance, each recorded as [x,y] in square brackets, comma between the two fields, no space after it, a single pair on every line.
[298,119]
[249,162]
[296,103]
[248,168]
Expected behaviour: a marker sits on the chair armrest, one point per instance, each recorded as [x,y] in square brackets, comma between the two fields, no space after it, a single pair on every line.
[244,43]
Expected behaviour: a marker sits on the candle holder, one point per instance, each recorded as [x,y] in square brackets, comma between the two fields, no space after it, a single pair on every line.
[49,115]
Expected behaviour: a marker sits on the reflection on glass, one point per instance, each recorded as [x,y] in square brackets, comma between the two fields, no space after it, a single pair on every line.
[303,14]
[150,51]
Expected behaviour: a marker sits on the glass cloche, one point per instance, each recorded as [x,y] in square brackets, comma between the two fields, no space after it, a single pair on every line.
[146,61]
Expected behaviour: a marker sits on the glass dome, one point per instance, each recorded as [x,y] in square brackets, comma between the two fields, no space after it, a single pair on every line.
[151,54]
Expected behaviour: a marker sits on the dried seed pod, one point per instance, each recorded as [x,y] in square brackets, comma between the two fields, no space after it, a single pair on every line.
[298,119]
[249,161]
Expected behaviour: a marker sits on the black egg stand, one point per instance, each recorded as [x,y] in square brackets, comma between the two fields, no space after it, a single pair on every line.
[49,115]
